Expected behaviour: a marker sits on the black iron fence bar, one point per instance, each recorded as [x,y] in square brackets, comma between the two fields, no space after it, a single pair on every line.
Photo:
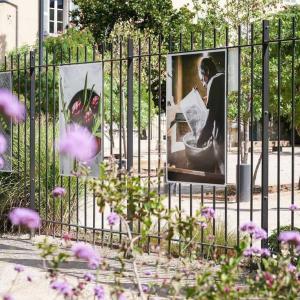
[46,133]
[251,121]
[278,124]
[239,138]
[293,122]
[265,129]
[32,130]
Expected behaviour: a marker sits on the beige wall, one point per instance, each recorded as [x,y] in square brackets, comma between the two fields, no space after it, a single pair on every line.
[27,24]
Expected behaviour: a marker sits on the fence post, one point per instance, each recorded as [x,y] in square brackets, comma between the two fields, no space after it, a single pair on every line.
[32,129]
[265,128]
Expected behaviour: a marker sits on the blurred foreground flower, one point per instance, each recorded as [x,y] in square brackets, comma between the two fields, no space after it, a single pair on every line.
[1,163]
[290,237]
[99,292]
[3,144]
[25,217]
[8,297]
[256,251]
[113,218]
[58,192]
[87,253]
[62,287]
[208,212]
[19,268]
[11,107]
[78,143]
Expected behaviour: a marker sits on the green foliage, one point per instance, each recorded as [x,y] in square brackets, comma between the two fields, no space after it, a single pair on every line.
[100,16]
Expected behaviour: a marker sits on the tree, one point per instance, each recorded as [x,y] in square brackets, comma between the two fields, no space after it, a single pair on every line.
[159,16]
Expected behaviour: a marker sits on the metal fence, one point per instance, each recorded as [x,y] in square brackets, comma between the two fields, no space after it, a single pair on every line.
[134,82]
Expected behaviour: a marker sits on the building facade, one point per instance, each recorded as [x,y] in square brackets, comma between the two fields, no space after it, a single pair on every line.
[19,21]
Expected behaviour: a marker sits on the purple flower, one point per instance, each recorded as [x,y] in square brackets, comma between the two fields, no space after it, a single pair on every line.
[145,288]
[290,237]
[113,218]
[256,251]
[251,251]
[260,234]
[78,143]
[265,252]
[25,217]
[2,163]
[3,144]
[58,192]
[99,292]
[293,207]
[8,297]
[203,225]
[11,107]
[292,268]
[87,253]
[19,268]
[148,273]
[122,296]
[257,232]
[249,227]
[62,287]
[88,277]
[208,212]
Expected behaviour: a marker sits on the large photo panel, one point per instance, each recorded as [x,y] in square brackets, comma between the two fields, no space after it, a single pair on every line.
[81,102]
[196,117]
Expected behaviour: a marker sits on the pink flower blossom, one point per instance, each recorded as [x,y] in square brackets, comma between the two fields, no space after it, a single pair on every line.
[11,107]
[99,292]
[3,144]
[122,296]
[25,217]
[58,192]
[2,163]
[62,287]
[113,218]
[78,143]
[208,212]
[290,237]
[67,237]
[293,207]
[145,288]
[87,253]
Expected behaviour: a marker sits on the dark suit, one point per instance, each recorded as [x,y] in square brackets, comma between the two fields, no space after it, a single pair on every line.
[214,127]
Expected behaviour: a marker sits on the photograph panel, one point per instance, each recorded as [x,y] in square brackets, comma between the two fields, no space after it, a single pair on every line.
[81,103]
[196,117]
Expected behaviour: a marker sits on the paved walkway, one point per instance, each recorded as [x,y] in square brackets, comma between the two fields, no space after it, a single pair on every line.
[20,250]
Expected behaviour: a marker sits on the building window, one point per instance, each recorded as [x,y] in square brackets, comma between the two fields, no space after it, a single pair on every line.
[56,20]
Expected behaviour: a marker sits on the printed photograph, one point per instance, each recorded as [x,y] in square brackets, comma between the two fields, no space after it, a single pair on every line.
[5,127]
[196,118]
[81,104]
